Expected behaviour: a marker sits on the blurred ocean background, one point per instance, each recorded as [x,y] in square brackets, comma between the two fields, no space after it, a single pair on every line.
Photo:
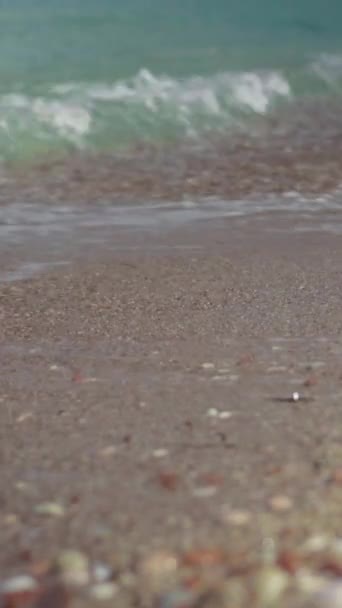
[103,75]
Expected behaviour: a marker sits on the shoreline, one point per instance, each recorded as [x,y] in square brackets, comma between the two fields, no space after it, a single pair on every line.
[281,153]
[116,371]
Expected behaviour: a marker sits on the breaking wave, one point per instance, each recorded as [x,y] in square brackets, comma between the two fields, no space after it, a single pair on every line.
[97,116]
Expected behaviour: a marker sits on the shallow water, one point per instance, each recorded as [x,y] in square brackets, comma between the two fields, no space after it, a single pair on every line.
[34,238]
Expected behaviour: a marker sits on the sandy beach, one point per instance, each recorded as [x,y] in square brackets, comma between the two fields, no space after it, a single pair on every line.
[173,412]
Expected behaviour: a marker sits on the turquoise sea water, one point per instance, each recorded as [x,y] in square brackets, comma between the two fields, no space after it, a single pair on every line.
[104,74]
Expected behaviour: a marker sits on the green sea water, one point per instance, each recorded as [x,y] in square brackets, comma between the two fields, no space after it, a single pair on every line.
[104,74]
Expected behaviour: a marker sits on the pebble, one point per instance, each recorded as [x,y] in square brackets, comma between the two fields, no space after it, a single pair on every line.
[235,517]
[204,491]
[53,509]
[160,453]
[270,584]
[158,569]
[101,572]
[19,584]
[281,503]
[225,415]
[212,412]
[208,365]
[73,567]
[103,591]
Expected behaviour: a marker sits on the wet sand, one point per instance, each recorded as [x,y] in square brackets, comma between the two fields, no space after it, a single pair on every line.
[149,394]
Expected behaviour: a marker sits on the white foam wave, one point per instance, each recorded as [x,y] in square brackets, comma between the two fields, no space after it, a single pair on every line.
[214,94]
[69,120]
[147,105]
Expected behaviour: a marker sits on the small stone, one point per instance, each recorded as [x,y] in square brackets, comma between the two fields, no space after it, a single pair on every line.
[281,503]
[225,415]
[158,569]
[204,491]
[52,509]
[208,365]
[212,412]
[169,480]
[19,584]
[73,567]
[235,517]
[103,592]
[101,572]
[160,453]
[270,584]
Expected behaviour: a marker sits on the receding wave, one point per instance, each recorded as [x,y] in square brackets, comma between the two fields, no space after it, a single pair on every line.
[105,116]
